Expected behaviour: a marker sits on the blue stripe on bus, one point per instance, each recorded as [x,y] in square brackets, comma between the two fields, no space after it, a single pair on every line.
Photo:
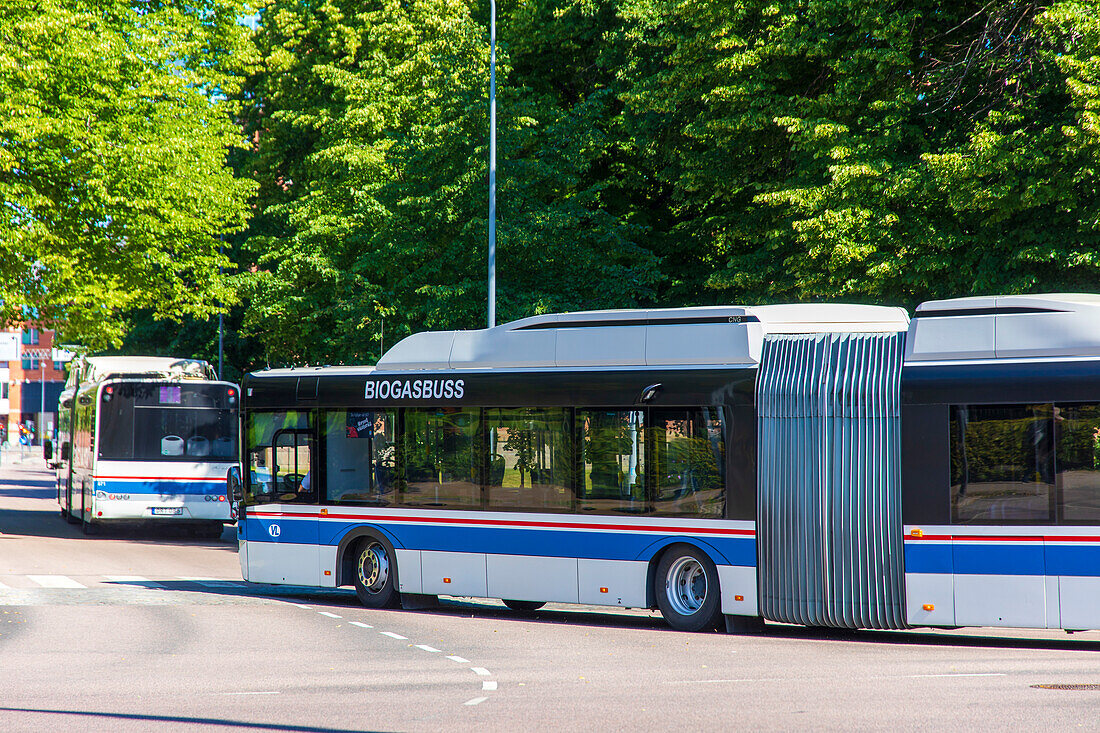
[163,488]
[616,545]
[1034,558]
[1073,559]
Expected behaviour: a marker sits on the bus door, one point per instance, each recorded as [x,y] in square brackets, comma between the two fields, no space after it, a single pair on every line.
[279,540]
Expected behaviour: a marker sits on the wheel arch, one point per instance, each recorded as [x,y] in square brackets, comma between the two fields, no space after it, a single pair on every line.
[345,558]
[653,553]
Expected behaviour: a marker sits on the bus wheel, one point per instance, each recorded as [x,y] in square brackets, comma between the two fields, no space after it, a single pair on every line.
[523,605]
[686,587]
[375,574]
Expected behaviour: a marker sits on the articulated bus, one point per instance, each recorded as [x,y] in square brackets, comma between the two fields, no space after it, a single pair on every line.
[828,465]
[147,439]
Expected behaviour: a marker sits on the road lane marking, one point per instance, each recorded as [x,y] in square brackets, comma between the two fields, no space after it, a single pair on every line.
[4,587]
[248,693]
[133,580]
[330,615]
[460,660]
[709,682]
[301,605]
[489,685]
[959,674]
[392,635]
[55,581]
[480,670]
[476,701]
[360,624]
[427,648]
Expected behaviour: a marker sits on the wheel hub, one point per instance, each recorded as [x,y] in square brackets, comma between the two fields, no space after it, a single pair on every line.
[686,586]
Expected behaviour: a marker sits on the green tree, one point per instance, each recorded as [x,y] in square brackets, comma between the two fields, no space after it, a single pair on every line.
[892,152]
[114,131]
[372,127]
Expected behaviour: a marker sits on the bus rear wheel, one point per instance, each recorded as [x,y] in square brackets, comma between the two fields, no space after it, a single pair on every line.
[375,574]
[525,606]
[686,587]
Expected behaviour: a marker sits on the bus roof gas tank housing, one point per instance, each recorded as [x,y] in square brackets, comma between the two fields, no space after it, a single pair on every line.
[713,335]
[1005,327]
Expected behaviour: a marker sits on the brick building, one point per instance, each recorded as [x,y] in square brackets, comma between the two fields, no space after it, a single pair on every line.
[31,386]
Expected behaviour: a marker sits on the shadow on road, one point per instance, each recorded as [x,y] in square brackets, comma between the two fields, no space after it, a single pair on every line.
[107,718]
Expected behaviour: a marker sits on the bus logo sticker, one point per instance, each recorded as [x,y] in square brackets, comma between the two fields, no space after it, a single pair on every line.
[274,530]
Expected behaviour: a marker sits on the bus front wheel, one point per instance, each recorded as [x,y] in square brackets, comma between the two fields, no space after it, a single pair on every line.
[375,574]
[686,587]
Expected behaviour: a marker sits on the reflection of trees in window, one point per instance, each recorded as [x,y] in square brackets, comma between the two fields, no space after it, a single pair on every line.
[1078,462]
[440,452]
[688,448]
[613,452]
[1002,463]
[530,460]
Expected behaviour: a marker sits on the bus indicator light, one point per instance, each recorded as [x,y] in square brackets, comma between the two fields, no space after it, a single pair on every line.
[929,607]
[328,572]
[446,580]
[603,590]
[916,533]
[739,598]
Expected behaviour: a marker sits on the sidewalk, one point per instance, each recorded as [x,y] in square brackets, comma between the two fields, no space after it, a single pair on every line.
[25,458]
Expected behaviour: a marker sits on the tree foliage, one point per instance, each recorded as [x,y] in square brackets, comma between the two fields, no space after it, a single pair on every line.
[114,130]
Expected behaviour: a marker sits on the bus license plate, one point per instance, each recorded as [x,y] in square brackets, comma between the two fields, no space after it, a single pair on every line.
[167,510]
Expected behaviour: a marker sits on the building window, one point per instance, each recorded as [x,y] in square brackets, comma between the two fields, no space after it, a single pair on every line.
[30,363]
[30,337]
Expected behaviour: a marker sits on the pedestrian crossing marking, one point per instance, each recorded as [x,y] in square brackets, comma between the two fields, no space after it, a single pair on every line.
[55,581]
[133,580]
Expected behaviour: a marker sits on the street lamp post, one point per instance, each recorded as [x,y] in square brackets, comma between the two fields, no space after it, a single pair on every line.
[492,163]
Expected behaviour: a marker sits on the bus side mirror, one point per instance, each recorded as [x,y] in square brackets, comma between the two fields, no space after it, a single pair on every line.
[65,451]
[47,449]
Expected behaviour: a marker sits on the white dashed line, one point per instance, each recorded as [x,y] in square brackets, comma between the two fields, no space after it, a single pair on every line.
[4,587]
[360,624]
[55,581]
[427,648]
[247,693]
[302,605]
[476,701]
[480,670]
[392,635]
[960,674]
[460,660]
[330,615]
[489,685]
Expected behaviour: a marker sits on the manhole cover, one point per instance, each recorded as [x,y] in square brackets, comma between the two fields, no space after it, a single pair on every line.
[1068,687]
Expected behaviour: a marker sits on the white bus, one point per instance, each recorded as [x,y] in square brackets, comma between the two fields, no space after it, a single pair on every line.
[147,439]
[828,465]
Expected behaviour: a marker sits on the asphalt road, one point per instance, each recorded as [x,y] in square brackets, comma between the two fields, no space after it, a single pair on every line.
[144,631]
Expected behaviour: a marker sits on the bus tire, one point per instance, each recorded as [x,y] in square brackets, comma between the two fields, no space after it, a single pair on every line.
[375,573]
[523,606]
[686,587]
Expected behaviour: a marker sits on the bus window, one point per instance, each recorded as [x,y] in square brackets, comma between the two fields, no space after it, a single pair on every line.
[613,456]
[530,462]
[1077,430]
[279,448]
[1002,464]
[441,458]
[687,461]
[359,456]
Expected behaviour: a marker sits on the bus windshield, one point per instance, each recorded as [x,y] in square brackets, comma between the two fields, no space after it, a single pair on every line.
[167,422]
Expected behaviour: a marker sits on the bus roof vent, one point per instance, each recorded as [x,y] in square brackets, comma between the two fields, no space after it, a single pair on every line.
[1005,327]
[714,335]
